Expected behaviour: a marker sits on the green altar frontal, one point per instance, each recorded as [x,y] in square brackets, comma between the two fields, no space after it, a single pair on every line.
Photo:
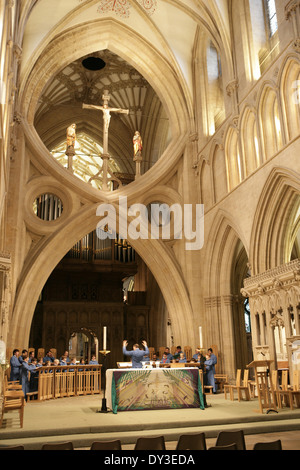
[149,389]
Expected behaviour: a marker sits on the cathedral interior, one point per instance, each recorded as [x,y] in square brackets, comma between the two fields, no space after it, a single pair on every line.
[213,89]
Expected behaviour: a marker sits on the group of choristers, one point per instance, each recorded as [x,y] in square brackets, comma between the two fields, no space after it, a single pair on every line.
[19,368]
[20,365]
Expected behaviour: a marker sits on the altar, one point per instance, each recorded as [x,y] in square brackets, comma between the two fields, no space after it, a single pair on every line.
[149,389]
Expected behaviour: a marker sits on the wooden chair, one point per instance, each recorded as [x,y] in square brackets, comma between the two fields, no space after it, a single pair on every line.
[188,352]
[58,446]
[11,384]
[226,438]
[150,443]
[106,445]
[41,353]
[161,350]
[242,387]
[54,352]
[191,442]
[228,447]
[151,352]
[13,400]
[228,387]
[274,379]
[289,392]
[221,380]
[282,389]
[274,445]
[31,350]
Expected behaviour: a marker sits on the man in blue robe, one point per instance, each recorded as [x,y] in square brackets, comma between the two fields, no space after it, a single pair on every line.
[15,365]
[49,357]
[136,354]
[25,368]
[211,361]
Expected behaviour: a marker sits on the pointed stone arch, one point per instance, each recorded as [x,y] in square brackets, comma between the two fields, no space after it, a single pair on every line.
[53,247]
[269,243]
[289,80]
[250,140]
[226,249]
[232,154]
[109,34]
[270,121]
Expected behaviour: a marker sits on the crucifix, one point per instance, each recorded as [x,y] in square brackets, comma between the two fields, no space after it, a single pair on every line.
[106,120]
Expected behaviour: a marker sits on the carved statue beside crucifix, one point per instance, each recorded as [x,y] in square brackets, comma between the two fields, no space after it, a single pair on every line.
[70,150]
[137,151]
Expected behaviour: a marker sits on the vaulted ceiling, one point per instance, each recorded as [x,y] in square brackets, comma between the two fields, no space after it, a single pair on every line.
[169,27]
[84,81]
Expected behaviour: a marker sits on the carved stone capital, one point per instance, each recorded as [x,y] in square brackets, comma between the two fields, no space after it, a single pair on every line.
[232,87]
[291,8]
[296,45]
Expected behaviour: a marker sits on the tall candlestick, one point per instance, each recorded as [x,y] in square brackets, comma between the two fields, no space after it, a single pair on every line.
[200,337]
[104,338]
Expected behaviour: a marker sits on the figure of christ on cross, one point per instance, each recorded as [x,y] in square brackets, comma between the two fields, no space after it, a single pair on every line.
[106,120]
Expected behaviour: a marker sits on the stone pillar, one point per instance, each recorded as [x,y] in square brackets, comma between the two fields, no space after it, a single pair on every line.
[228,343]
[5,294]
[292,14]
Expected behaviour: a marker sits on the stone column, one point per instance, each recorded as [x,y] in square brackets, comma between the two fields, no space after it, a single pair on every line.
[292,13]
[5,294]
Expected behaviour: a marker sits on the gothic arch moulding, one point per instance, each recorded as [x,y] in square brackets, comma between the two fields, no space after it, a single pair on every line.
[37,269]
[270,120]
[220,251]
[250,140]
[289,82]
[226,253]
[219,174]
[233,161]
[123,41]
[269,239]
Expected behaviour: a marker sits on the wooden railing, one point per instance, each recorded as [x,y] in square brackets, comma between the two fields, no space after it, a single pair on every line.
[67,381]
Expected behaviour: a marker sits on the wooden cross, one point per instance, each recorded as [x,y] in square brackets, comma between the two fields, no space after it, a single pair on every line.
[106,120]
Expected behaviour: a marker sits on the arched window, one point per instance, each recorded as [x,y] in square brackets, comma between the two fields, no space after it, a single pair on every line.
[87,161]
[247,316]
[270,122]
[215,94]
[233,160]
[271,17]
[264,40]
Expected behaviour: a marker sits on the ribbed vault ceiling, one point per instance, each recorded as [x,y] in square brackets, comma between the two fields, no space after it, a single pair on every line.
[61,104]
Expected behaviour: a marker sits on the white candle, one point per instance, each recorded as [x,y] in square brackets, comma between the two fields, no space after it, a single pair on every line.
[104,338]
[200,337]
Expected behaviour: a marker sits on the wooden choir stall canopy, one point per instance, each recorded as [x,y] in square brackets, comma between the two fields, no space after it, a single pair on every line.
[148,389]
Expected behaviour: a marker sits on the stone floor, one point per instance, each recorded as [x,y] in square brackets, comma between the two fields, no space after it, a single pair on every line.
[79,419]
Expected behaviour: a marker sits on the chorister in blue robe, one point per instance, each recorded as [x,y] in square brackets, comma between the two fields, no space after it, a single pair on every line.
[210,371]
[15,365]
[25,368]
